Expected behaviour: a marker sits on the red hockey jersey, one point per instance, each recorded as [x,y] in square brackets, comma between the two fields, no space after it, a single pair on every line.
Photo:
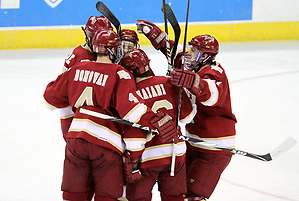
[99,88]
[214,121]
[78,54]
[159,94]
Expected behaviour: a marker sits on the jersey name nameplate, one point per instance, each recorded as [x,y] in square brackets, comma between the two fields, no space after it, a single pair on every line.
[151,91]
[91,76]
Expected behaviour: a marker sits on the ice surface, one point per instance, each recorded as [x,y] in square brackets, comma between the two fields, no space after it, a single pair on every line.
[264,86]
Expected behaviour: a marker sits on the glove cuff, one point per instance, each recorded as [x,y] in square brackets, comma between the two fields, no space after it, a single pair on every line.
[196,89]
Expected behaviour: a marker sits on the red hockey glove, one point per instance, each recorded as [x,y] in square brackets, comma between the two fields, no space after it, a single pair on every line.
[186,78]
[131,171]
[165,127]
[153,33]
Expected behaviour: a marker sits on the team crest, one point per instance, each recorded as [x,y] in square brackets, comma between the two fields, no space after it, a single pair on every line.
[53,3]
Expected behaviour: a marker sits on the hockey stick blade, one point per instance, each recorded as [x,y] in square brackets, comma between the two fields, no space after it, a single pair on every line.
[176,28]
[102,8]
[283,147]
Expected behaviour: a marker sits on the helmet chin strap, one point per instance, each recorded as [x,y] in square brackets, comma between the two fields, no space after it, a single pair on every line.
[206,59]
[202,63]
[112,56]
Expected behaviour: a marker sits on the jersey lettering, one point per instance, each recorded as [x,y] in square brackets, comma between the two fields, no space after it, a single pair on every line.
[124,75]
[69,58]
[85,98]
[217,68]
[162,104]
[91,76]
[151,91]
[133,98]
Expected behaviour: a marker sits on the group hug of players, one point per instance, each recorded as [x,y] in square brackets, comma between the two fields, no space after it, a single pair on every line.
[103,156]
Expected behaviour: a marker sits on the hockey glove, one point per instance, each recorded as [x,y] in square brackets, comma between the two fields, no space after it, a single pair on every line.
[153,33]
[187,79]
[131,170]
[165,126]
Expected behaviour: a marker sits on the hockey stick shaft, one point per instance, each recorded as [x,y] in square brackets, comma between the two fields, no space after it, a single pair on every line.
[167,41]
[283,147]
[185,36]
[176,28]
[170,67]
[102,8]
[183,63]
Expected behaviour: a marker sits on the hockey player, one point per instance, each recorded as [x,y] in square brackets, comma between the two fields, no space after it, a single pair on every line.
[82,53]
[129,39]
[94,146]
[214,122]
[158,94]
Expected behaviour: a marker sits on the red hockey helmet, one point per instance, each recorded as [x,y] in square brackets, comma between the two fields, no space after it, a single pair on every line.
[95,23]
[206,44]
[103,39]
[136,61]
[130,35]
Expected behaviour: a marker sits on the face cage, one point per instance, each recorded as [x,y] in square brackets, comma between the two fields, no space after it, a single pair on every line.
[120,51]
[126,43]
[192,62]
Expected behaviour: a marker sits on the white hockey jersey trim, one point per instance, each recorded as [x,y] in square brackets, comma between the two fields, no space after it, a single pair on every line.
[229,141]
[134,144]
[136,113]
[99,131]
[49,106]
[214,93]
[190,117]
[162,151]
[66,113]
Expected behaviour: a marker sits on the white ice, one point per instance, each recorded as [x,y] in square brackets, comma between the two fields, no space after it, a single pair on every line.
[264,86]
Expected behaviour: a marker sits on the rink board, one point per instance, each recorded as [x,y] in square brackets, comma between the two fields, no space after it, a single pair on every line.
[66,38]
[57,23]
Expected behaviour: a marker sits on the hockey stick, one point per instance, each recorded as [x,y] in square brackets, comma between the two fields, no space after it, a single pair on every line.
[102,8]
[283,147]
[176,28]
[168,15]
[183,63]
[167,41]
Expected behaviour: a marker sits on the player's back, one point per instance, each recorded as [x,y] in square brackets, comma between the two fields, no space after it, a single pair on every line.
[159,94]
[93,84]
